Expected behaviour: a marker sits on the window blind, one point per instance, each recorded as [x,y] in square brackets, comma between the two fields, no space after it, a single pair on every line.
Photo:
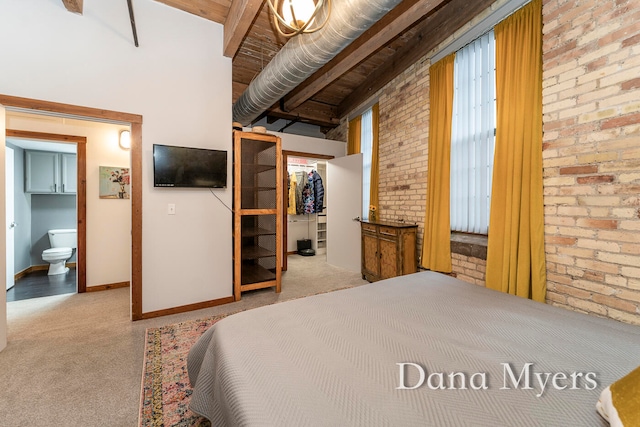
[366,141]
[473,135]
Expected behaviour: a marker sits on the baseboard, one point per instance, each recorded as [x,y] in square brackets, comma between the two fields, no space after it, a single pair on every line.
[21,274]
[42,267]
[108,286]
[185,308]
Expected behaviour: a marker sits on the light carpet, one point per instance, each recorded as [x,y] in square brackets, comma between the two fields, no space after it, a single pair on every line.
[76,360]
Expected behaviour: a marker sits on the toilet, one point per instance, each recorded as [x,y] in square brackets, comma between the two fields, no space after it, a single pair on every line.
[63,245]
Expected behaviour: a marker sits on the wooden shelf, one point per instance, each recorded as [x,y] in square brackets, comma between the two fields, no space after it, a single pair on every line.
[258,168]
[256,274]
[252,189]
[255,252]
[257,231]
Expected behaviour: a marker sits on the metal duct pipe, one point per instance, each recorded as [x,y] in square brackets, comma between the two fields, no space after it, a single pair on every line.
[306,53]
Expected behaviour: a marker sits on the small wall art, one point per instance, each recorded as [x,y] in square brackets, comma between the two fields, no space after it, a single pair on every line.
[114,183]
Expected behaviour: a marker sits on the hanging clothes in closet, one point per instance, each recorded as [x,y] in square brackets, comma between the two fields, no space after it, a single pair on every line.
[309,196]
[318,190]
[301,180]
[293,186]
[306,193]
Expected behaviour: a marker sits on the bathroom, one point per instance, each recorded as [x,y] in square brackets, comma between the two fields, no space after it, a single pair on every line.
[40,270]
[102,258]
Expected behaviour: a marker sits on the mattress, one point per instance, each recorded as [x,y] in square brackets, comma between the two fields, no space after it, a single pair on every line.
[418,350]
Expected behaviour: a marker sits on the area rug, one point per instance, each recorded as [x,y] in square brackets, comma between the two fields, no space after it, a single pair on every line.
[166,391]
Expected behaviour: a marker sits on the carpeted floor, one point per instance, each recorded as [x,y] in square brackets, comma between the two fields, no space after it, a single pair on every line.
[76,359]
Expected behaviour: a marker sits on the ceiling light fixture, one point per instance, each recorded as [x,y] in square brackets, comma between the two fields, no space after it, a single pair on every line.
[293,17]
[125,139]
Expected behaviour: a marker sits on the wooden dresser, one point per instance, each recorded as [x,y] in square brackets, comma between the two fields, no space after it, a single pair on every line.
[389,249]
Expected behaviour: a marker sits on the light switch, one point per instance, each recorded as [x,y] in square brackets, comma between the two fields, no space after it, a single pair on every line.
[171,209]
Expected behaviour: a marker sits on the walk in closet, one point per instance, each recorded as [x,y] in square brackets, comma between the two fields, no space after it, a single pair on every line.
[306,206]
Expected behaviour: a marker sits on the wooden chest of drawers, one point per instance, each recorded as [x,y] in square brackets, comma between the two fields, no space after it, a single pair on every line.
[389,249]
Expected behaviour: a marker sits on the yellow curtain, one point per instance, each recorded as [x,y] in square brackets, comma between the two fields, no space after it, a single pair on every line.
[436,245]
[515,256]
[375,175]
[353,141]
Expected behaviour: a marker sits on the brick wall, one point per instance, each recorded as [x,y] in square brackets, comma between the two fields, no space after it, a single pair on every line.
[469,269]
[591,106]
[339,133]
[591,150]
[404,134]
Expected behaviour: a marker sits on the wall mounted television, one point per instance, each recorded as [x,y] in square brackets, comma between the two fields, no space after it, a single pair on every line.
[189,167]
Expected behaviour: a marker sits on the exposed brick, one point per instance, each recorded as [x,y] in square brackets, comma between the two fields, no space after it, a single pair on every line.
[631,84]
[597,223]
[615,302]
[629,119]
[631,41]
[560,50]
[561,240]
[579,170]
[574,292]
[595,179]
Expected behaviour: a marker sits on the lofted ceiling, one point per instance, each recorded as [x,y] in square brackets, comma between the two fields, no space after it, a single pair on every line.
[399,39]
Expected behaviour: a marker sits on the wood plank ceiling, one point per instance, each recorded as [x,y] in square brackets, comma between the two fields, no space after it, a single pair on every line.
[395,42]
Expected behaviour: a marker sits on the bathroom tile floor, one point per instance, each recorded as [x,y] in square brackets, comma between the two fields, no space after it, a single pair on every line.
[39,284]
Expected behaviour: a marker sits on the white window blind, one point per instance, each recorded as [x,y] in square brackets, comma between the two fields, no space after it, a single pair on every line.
[366,147]
[473,135]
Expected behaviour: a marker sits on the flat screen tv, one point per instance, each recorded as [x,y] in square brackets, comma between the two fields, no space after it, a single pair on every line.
[189,167]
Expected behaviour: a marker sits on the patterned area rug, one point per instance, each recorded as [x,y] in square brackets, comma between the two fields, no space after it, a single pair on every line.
[166,391]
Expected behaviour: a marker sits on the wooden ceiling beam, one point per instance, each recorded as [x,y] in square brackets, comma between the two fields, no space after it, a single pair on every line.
[431,32]
[313,118]
[394,23]
[74,6]
[213,10]
[242,14]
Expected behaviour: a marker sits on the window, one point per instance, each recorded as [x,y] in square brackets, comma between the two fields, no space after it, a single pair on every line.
[366,146]
[473,135]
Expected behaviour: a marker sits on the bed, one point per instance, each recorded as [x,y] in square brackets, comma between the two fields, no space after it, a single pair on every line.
[417,350]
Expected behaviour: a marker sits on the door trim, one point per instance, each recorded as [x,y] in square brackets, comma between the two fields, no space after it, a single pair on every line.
[81,193]
[135,121]
[285,195]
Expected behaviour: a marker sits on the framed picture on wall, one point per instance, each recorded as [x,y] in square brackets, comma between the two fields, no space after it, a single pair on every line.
[114,182]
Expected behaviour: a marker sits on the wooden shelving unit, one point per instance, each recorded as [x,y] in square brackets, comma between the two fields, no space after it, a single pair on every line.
[257,209]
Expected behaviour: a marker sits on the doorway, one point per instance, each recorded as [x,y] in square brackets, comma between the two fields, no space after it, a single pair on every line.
[9,192]
[37,283]
[135,121]
[302,222]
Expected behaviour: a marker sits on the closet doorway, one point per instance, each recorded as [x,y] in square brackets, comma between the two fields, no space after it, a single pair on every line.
[303,226]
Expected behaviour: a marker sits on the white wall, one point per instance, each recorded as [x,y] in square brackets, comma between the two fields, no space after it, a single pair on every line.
[108,220]
[177,80]
[308,144]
